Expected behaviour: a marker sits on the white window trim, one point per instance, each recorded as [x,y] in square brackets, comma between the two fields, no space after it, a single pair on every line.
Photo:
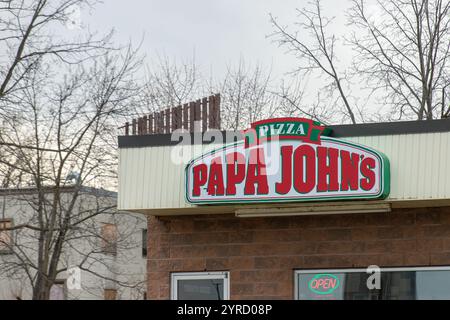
[225,275]
[399,269]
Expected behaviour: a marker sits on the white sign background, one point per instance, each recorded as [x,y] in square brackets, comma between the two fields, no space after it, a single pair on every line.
[273,171]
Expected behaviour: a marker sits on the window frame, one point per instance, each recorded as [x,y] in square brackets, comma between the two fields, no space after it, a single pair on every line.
[144,249]
[364,270]
[176,276]
[63,283]
[107,247]
[11,235]
[114,290]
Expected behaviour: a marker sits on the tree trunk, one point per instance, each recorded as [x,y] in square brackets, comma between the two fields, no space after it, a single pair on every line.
[41,290]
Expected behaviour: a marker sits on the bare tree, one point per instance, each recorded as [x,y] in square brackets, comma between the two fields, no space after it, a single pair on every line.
[400,55]
[170,83]
[318,54]
[60,104]
[292,102]
[404,54]
[58,139]
[27,37]
[246,96]
[104,258]
[248,93]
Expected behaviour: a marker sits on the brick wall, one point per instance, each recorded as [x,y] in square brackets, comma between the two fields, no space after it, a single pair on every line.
[261,253]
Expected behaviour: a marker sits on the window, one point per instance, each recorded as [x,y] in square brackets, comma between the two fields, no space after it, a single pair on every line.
[144,243]
[5,236]
[200,286]
[110,294]
[109,238]
[395,284]
[58,290]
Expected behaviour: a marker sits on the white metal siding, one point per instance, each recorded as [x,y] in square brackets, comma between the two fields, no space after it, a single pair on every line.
[420,170]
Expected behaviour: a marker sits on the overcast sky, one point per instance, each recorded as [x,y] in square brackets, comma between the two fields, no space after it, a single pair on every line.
[218,31]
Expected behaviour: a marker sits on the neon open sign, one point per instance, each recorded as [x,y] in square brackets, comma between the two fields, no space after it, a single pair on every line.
[287,159]
[324,283]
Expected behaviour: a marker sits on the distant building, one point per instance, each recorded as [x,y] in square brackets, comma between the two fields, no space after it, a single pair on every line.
[108,247]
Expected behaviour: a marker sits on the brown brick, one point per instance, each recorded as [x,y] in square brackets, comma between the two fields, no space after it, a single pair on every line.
[314,234]
[330,247]
[364,233]
[298,222]
[175,239]
[245,236]
[436,231]
[266,289]
[278,262]
[430,245]
[410,232]
[235,249]
[256,249]
[262,253]
[227,225]
[286,288]
[415,259]
[404,246]
[428,217]
[445,245]
[445,215]
[205,225]
[277,235]
[377,219]
[352,220]
[241,288]
[338,234]
[378,246]
[158,252]
[181,252]
[157,276]
[153,290]
[152,265]
[156,225]
[328,261]
[277,223]
[390,233]
[391,260]
[365,260]
[262,276]
[210,238]
[403,218]
[164,290]
[241,263]
[194,265]
[181,225]
[442,258]
[253,224]
[217,264]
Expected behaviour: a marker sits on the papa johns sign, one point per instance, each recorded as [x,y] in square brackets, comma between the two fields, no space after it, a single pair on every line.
[287,159]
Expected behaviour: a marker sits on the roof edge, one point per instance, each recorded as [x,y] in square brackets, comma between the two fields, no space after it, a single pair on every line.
[337,131]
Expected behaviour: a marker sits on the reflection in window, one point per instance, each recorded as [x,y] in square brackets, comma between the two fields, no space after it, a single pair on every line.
[5,236]
[144,243]
[109,237]
[200,286]
[211,289]
[57,291]
[110,294]
[396,284]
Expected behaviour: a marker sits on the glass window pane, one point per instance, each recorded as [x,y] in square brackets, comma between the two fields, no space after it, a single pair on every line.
[200,289]
[57,292]
[395,285]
